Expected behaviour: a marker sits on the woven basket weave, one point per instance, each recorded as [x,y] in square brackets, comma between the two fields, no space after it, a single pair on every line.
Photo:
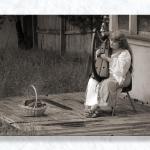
[33,111]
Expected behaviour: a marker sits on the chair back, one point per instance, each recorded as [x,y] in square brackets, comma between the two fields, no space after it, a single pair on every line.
[127,86]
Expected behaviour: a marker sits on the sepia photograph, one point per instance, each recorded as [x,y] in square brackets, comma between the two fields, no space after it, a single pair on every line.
[75,75]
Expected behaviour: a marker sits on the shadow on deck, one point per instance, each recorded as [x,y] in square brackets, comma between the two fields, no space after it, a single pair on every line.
[65,116]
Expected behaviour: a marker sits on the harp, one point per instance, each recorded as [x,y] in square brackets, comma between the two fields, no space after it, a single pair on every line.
[100,67]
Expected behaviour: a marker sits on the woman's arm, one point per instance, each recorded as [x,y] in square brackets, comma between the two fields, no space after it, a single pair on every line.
[104,57]
[123,63]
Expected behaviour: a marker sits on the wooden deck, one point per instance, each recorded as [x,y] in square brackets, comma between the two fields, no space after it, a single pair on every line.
[65,116]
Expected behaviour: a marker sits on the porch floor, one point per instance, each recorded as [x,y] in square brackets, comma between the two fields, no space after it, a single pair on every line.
[65,116]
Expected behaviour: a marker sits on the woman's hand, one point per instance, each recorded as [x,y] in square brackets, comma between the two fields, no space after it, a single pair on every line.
[104,57]
[98,53]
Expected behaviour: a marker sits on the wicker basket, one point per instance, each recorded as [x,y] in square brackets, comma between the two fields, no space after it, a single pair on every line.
[34,110]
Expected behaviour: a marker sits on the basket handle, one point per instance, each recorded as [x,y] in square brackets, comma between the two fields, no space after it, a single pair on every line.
[35,92]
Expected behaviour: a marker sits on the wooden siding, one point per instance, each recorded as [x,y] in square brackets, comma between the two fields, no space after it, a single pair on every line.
[49,36]
[8,35]
[48,32]
[76,41]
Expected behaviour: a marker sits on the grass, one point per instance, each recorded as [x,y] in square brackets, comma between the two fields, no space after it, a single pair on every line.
[49,72]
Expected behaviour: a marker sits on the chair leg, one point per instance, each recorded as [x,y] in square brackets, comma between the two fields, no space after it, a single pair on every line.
[113,111]
[131,102]
[114,106]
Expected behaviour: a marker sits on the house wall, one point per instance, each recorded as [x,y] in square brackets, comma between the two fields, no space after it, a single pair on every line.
[141,72]
[140,44]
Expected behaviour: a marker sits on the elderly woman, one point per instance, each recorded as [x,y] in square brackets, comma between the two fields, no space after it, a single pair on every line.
[102,96]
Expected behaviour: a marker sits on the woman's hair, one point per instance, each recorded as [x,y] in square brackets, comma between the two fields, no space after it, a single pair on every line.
[123,44]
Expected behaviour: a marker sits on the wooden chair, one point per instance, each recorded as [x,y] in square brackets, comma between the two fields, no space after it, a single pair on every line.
[127,87]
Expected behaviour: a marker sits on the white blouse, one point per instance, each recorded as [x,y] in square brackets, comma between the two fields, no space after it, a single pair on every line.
[119,65]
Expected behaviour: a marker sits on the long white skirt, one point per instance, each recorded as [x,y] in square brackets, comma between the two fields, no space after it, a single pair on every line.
[103,94]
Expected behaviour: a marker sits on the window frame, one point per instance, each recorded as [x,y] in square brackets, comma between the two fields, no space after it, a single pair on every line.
[132,33]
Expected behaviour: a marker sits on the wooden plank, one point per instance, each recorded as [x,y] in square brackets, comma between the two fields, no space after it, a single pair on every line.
[75,32]
[60,121]
[14,108]
[51,112]
[7,115]
[67,103]
[100,122]
[128,128]
[115,131]
[50,107]
[123,105]
[142,131]
[59,98]
[62,36]
[103,124]
[78,96]
[105,129]
[97,126]
[48,31]
[68,99]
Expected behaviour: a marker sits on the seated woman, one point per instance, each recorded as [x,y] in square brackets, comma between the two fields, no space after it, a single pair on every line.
[102,96]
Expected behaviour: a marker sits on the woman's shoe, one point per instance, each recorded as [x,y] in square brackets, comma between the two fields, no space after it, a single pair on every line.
[95,114]
[94,108]
[88,112]
[92,112]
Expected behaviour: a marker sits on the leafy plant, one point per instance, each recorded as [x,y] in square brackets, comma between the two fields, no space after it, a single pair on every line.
[85,22]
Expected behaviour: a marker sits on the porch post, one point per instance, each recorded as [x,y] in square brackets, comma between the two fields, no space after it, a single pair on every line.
[132,24]
[113,22]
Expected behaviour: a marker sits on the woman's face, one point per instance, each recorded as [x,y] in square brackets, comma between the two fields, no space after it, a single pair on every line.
[114,44]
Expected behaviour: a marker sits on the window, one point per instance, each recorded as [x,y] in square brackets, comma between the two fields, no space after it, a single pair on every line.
[134,26]
[123,22]
[143,23]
